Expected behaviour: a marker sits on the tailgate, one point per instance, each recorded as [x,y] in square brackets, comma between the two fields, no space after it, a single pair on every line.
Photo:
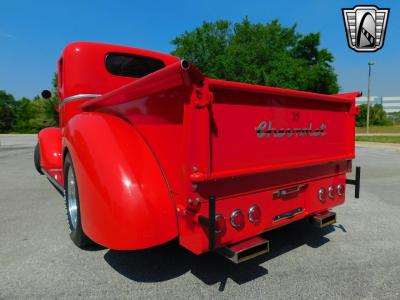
[259,128]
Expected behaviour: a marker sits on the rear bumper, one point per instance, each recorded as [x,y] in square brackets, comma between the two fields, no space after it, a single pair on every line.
[256,246]
[276,211]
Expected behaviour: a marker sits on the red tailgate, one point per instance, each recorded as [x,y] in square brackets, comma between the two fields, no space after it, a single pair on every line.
[261,128]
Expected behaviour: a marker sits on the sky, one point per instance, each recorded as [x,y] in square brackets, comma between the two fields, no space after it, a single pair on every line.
[33,34]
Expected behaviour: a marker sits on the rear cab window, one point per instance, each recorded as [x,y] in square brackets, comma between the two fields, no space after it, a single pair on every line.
[130,65]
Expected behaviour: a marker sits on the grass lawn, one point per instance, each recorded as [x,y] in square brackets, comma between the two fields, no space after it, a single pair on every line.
[380,129]
[379,139]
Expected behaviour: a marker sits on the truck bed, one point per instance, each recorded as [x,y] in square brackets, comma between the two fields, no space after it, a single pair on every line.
[240,143]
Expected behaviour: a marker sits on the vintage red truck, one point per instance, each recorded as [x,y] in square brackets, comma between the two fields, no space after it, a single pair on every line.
[149,150]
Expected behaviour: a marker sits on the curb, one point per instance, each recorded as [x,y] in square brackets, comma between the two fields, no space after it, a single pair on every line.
[375,145]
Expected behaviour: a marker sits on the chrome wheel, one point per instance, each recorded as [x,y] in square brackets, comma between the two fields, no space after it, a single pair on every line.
[72,204]
[71,198]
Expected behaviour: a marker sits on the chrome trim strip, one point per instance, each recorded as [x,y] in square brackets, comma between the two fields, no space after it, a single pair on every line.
[77,97]
[54,182]
[288,215]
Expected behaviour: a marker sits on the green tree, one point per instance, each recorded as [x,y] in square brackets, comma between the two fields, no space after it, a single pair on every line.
[24,113]
[28,116]
[42,117]
[51,103]
[377,116]
[265,54]
[7,112]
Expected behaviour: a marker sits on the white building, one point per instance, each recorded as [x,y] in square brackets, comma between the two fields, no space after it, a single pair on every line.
[390,104]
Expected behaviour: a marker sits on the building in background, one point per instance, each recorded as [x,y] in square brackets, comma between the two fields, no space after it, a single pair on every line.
[390,104]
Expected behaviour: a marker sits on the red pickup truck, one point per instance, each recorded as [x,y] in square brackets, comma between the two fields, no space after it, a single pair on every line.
[150,150]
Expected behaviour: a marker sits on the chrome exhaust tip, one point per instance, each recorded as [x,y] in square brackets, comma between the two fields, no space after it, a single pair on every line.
[245,250]
[323,219]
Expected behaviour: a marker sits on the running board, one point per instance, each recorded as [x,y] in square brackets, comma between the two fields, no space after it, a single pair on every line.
[323,219]
[54,182]
[245,250]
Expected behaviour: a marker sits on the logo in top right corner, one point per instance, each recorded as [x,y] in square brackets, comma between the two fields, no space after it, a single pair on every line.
[365,27]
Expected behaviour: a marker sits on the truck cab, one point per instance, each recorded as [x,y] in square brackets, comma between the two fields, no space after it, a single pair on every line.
[88,70]
[150,150]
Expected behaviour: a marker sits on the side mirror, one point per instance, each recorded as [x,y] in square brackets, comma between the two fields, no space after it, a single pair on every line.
[46,94]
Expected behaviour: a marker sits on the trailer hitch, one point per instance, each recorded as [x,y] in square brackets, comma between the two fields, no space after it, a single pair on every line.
[356,182]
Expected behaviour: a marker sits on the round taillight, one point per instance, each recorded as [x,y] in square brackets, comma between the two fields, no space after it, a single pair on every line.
[237,219]
[220,225]
[340,189]
[331,191]
[254,214]
[322,194]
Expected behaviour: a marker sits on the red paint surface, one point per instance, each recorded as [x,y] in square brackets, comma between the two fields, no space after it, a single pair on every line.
[125,199]
[176,135]
[50,148]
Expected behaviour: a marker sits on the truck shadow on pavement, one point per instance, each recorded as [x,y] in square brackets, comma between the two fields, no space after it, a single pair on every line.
[169,261]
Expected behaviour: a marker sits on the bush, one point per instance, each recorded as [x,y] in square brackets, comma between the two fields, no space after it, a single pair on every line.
[395,117]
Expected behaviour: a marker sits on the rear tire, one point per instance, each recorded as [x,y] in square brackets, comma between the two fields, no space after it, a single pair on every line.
[71,196]
[36,159]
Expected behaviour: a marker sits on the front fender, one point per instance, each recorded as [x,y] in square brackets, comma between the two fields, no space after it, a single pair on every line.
[124,197]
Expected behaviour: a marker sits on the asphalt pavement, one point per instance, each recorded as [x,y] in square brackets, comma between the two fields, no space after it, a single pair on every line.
[357,258]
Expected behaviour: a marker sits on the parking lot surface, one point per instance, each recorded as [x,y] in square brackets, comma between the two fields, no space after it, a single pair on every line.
[357,258]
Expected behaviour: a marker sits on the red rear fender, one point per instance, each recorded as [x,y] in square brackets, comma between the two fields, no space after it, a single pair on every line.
[125,199]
